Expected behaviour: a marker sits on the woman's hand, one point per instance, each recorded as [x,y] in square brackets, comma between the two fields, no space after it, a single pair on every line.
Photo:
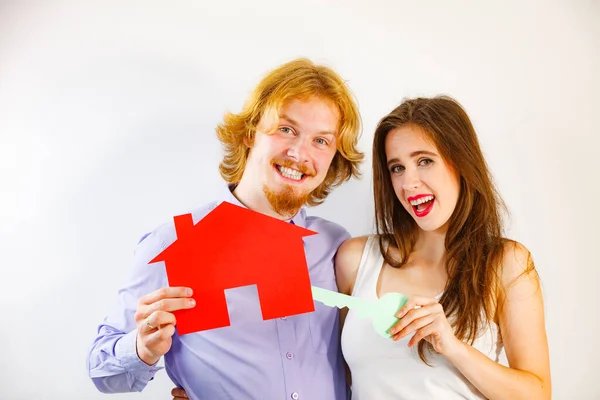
[425,318]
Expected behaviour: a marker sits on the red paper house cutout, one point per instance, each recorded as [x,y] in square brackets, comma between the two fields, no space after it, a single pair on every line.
[231,247]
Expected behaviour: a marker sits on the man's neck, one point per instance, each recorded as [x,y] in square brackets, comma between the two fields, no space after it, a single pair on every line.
[254,199]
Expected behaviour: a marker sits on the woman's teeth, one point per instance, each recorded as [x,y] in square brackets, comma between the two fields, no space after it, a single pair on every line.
[422,200]
[422,203]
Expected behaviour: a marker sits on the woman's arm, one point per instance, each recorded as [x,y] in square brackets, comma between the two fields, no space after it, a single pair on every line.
[347,261]
[522,328]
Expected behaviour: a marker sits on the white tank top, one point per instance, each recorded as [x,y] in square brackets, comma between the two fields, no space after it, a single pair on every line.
[383,369]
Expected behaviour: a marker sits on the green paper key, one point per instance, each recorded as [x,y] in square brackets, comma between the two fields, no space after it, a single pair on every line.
[382,312]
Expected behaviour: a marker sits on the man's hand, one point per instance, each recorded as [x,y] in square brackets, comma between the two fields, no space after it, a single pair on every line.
[179,394]
[156,323]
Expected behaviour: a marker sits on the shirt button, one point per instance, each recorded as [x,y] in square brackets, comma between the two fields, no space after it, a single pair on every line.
[283,317]
[289,356]
[295,396]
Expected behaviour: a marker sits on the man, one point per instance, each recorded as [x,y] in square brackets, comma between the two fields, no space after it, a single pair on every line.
[294,141]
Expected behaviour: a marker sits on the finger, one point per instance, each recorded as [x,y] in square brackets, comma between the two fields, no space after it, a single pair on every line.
[166,332]
[426,331]
[179,393]
[414,326]
[160,335]
[146,327]
[409,317]
[158,319]
[168,305]
[414,302]
[165,293]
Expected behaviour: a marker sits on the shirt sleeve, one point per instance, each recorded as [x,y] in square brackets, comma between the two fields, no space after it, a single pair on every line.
[113,363]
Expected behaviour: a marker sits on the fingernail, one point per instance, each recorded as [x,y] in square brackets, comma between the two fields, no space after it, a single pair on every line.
[192,302]
[189,292]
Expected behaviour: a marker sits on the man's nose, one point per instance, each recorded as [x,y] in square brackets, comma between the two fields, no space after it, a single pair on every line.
[299,149]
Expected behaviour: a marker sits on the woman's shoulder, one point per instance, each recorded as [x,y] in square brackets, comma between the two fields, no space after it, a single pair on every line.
[350,252]
[347,261]
[517,261]
[354,245]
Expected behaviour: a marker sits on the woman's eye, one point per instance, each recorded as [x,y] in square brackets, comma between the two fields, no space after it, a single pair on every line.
[396,168]
[322,141]
[424,162]
[286,129]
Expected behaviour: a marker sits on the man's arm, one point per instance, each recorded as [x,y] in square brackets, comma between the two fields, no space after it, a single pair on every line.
[113,363]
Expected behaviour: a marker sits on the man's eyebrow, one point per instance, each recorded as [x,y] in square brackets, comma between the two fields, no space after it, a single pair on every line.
[288,119]
[293,122]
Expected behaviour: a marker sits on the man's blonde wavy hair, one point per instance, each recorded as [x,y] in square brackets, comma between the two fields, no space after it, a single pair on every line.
[298,79]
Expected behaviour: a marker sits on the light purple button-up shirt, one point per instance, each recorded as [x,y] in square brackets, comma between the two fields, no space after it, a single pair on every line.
[297,357]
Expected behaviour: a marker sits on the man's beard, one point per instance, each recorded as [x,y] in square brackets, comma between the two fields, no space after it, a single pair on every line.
[286,202]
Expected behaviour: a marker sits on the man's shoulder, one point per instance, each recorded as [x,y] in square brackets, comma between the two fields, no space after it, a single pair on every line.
[165,233]
[328,228]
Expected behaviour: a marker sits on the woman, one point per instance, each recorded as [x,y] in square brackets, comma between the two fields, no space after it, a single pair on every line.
[473,326]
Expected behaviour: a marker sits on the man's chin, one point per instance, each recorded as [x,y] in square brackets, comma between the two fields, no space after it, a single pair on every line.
[286,201]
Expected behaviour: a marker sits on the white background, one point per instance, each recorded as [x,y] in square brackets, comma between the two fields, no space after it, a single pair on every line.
[107,116]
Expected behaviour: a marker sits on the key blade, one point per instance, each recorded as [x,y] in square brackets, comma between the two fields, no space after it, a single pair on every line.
[340,300]
[325,296]
[330,298]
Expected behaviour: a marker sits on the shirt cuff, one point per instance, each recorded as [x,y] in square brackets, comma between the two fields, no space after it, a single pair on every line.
[125,350]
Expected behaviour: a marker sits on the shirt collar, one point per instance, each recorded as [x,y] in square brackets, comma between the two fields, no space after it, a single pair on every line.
[227,195]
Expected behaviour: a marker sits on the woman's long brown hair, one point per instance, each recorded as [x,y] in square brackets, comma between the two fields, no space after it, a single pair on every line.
[474,240]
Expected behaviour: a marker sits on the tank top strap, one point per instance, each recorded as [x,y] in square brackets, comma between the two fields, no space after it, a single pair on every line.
[369,268]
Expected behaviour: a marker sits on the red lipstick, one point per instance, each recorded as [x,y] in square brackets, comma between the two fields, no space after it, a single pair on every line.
[425,211]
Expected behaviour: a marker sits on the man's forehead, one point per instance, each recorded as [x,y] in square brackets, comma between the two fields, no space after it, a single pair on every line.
[322,116]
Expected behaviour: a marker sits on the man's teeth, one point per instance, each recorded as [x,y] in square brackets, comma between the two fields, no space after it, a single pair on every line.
[290,173]
[421,200]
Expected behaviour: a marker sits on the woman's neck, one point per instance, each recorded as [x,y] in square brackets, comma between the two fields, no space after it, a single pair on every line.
[430,249]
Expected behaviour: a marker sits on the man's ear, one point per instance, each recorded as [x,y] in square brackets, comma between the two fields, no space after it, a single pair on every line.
[249,141]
